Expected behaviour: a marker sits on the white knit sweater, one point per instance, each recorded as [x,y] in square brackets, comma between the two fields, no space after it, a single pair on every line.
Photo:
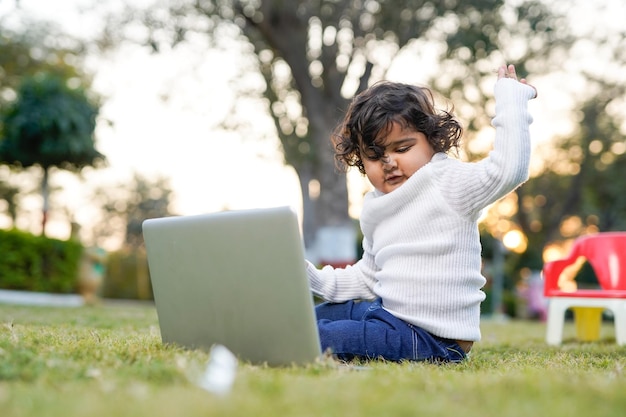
[422,253]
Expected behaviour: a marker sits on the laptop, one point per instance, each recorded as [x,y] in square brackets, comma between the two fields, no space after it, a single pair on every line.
[237,279]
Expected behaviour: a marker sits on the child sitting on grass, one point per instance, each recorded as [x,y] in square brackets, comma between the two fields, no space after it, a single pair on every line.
[416,292]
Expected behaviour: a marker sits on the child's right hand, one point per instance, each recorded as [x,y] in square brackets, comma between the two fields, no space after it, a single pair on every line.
[508,71]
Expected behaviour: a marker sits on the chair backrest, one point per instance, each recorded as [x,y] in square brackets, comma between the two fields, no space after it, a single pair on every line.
[606,253]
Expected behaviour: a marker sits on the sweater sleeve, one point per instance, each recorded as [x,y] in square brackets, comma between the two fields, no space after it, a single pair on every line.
[343,284]
[470,187]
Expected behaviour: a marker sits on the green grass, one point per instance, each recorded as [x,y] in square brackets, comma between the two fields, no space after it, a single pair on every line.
[108,361]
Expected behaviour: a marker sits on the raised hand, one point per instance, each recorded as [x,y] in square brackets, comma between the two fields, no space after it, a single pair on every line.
[508,71]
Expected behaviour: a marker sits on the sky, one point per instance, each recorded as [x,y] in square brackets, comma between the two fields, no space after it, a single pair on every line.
[178,138]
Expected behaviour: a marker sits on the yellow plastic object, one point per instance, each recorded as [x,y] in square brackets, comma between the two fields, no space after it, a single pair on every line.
[588,320]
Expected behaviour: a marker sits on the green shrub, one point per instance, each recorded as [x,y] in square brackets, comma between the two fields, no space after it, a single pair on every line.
[38,263]
[127,275]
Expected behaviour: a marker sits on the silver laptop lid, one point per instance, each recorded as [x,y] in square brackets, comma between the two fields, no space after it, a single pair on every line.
[234,278]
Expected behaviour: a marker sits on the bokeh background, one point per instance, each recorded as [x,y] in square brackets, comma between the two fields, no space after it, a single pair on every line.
[201,106]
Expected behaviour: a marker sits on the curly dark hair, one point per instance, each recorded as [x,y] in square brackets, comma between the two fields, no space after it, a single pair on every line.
[372,113]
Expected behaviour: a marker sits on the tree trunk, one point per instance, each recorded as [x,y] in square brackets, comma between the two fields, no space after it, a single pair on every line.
[332,204]
[334,239]
[45,194]
[305,176]
[329,209]
[286,31]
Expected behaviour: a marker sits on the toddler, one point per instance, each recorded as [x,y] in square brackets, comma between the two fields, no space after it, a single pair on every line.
[416,292]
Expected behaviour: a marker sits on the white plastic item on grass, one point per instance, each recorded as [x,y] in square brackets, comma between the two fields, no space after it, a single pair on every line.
[219,375]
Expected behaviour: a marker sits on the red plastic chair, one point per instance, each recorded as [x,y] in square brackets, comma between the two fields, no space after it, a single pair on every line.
[606,253]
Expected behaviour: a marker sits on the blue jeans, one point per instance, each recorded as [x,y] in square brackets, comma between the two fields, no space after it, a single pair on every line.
[364,330]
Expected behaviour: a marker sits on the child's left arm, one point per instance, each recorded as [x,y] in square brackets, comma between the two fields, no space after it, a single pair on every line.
[469,188]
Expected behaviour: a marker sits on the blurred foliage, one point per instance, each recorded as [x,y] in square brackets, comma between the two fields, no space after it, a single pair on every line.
[47,113]
[49,124]
[36,263]
[38,64]
[308,58]
[126,205]
[313,56]
[127,275]
[581,187]
[38,47]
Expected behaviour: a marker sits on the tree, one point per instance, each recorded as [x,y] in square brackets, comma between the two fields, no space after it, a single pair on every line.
[124,207]
[50,125]
[32,48]
[315,55]
[583,185]
[38,47]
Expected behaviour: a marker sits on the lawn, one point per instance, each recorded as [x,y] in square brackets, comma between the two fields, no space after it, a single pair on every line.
[108,361]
